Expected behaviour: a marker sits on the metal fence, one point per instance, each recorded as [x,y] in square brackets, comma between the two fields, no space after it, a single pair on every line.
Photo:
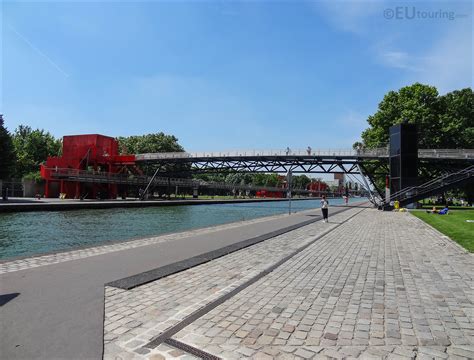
[13,188]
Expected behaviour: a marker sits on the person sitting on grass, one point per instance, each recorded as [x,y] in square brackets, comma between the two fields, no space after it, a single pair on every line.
[432,211]
[444,211]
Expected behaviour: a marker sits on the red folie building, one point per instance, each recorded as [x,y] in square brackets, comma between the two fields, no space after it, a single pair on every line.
[317,187]
[97,153]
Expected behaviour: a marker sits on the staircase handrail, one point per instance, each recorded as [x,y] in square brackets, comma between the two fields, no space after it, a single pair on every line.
[451,177]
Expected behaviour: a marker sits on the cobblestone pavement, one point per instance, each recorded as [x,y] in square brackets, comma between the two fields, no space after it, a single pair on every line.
[32,262]
[383,285]
[134,317]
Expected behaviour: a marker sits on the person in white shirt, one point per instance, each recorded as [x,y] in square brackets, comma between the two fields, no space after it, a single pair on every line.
[324,208]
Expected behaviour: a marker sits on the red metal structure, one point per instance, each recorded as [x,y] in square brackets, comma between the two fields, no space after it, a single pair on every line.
[97,153]
[269,194]
[317,187]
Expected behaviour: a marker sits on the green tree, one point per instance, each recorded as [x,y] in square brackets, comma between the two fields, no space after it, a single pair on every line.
[457,119]
[443,121]
[154,143]
[300,181]
[259,179]
[272,180]
[236,178]
[149,143]
[6,151]
[32,147]
[358,145]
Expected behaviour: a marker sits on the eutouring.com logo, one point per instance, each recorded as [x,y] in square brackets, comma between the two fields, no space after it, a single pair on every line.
[412,13]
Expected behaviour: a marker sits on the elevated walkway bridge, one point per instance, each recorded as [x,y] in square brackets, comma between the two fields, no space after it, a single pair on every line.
[299,161]
[255,161]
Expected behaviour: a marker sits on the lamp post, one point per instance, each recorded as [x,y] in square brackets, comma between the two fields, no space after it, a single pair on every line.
[288,190]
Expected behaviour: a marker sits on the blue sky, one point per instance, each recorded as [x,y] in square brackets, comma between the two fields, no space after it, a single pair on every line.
[224,75]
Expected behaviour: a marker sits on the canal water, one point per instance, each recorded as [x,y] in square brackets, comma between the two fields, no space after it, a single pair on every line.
[33,233]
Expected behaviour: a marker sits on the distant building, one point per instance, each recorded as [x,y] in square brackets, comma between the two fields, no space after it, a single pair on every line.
[341,178]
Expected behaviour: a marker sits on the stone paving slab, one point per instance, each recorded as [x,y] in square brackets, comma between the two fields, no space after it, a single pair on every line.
[134,317]
[383,285]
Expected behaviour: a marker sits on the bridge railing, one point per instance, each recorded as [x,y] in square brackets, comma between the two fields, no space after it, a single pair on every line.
[433,184]
[446,153]
[364,153]
[275,152]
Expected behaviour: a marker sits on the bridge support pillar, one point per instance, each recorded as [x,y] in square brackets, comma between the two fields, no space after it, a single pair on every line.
[403,157]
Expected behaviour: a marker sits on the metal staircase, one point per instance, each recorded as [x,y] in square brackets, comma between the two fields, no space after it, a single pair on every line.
[433,187]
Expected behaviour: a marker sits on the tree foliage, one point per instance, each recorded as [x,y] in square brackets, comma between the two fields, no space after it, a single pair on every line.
[32,147]
[6,151]
[445,121]
[300,181]
[155,143]
[268,180]
[149,143]
[457,119]
[256,179]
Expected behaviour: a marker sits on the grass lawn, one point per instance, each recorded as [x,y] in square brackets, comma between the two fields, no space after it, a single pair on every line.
[453,225]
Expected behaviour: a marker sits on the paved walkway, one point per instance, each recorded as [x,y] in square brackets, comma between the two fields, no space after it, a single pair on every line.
[134,317]
[380,285]
[53,305]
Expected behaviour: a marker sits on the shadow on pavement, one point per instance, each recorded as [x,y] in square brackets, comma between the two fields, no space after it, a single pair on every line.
[7,297]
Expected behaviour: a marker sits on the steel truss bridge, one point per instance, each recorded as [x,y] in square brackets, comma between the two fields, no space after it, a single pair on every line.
[350,162]
[300,161]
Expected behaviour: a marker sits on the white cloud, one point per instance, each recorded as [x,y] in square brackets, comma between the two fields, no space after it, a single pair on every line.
[351,15]
[352,118]
[399,59]
[446,65]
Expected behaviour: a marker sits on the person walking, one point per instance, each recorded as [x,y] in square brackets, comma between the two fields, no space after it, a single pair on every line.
[324,208]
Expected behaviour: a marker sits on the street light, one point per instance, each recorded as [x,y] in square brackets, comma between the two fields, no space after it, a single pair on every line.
[288,190]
